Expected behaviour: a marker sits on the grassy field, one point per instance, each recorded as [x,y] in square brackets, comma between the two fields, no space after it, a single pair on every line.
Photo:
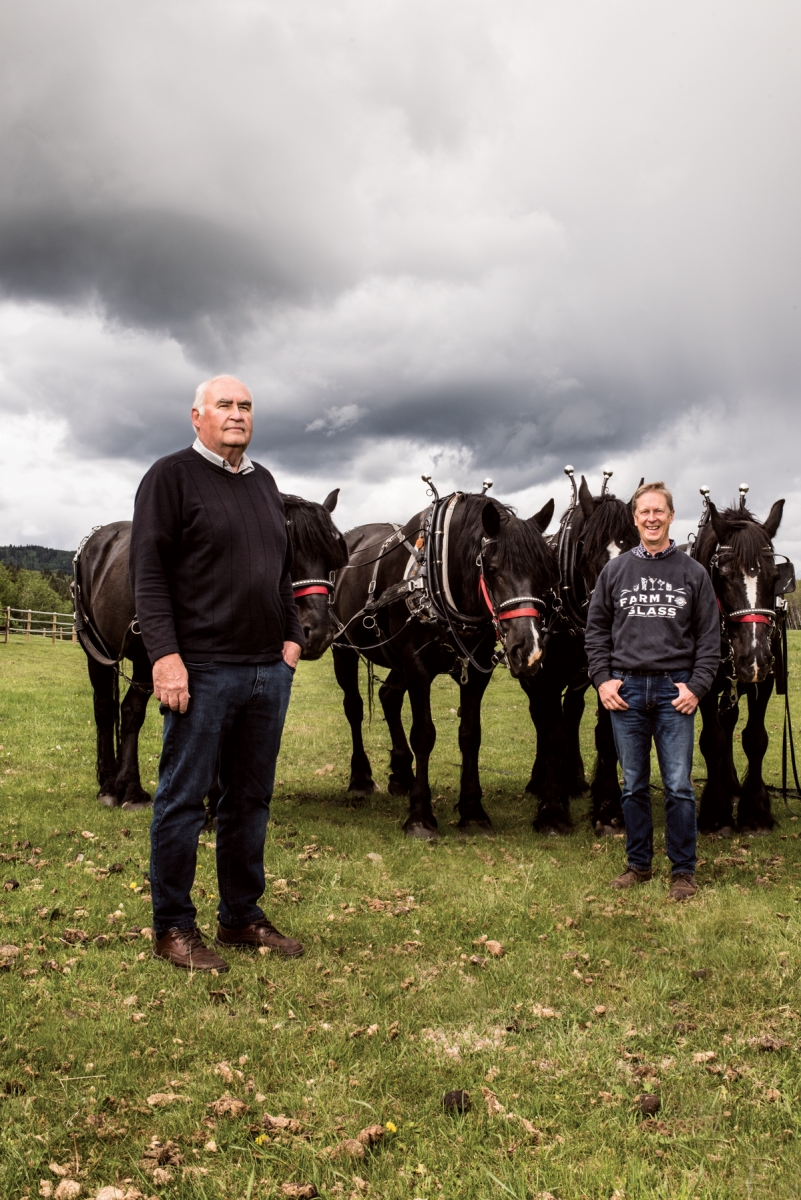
[118,1070]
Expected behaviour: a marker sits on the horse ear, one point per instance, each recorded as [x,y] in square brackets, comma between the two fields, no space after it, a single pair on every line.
[585,500]
[774,519]
[542,519]
[330,502]
[491,519]
[720,526]
[639,485]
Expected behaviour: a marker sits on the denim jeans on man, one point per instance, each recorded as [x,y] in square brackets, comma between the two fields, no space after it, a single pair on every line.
[651,715]
[235,718]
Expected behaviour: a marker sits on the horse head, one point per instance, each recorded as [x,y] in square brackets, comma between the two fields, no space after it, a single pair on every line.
[519,572]
[318,549]
[744,575]
[608,530]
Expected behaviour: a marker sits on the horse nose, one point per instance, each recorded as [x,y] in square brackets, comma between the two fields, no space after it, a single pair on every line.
[307,630]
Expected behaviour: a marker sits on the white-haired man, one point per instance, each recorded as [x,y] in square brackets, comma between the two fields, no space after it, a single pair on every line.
[210,562]
[653,646]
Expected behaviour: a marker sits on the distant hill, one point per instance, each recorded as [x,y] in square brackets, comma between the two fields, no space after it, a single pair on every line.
[37,558]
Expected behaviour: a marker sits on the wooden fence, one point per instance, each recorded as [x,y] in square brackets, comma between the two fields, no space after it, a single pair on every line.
[30,623]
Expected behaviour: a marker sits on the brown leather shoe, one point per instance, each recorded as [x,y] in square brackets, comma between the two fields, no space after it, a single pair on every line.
[257,934]
[185,948]
[630,876]
[684,887]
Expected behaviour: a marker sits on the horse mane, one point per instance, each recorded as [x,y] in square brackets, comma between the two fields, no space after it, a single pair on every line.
[746,537]
[518,540]
[314,534]
[612,518]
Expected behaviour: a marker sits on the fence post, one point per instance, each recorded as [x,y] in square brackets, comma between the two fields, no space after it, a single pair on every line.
[8,622]
[28,627]
[74,638]
[54,628]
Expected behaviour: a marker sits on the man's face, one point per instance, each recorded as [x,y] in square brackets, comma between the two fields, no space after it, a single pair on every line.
[653,519]
[227,418]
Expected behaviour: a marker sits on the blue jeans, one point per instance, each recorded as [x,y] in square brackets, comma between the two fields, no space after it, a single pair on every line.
[651,715]
[235,719]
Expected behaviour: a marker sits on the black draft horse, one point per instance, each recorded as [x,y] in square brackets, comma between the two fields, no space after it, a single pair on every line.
[108,632]
[596,530]
[486,541]
[737,551]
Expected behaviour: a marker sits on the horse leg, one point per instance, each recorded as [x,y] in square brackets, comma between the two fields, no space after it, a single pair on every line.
[346,669]
[716,814]
[421,822]
[130,793]
[545,707]
[753,811]
[401,761]
[573,709]
[471,810]
[607,811]
[106,707]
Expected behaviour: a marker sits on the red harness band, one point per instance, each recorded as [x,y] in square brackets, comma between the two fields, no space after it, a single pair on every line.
[746,618]
[310,591]
[504,616]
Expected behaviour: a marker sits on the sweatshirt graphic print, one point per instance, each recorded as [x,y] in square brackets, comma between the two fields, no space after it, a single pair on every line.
[654,616]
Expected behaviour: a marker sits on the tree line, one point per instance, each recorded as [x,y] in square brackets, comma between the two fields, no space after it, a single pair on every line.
[45,591]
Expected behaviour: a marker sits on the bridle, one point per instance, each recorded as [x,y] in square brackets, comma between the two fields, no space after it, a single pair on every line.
[506,610]
[738,616]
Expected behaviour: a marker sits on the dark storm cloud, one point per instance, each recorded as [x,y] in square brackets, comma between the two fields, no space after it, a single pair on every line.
[176,274]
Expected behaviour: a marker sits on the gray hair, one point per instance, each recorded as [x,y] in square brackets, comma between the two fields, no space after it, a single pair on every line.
[200,392]
[652,487]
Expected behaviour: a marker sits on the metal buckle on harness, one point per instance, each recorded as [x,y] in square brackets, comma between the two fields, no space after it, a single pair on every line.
[416,585]
[371,587]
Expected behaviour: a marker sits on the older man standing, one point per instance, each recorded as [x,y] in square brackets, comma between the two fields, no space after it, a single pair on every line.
[210,562]
[653,645]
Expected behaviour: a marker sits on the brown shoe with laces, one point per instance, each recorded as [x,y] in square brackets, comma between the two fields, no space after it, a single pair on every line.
[258,934]
[684,887]
[186,948]
[630,876]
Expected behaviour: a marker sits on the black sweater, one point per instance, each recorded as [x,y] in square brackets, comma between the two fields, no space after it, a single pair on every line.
[654,614]
[210,561]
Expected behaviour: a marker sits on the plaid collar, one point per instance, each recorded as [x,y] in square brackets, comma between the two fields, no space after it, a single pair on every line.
[641,552]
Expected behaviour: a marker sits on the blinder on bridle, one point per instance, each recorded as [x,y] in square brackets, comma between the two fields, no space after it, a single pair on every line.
[785,580]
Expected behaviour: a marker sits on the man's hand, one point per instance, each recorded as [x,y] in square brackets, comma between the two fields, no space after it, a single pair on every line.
[608,695]
[291,653]
[171,682]
[686,701]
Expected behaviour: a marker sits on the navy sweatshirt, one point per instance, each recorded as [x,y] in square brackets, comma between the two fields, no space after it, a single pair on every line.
[654,614]
[210,560]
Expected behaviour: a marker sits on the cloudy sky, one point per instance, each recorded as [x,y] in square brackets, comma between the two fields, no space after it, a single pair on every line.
[473,238]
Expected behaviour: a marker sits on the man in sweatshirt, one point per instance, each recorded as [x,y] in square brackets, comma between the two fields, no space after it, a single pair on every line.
[653,645]
[209,563]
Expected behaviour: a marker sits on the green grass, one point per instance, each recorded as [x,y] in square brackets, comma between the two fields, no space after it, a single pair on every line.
[80,1057]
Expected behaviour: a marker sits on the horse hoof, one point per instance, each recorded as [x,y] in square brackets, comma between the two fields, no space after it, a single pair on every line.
[135,805]
[602,830]
[396,787]
[554,829]
[107,799]
[475,829]
[361,790]
[421,832]
[725,831]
